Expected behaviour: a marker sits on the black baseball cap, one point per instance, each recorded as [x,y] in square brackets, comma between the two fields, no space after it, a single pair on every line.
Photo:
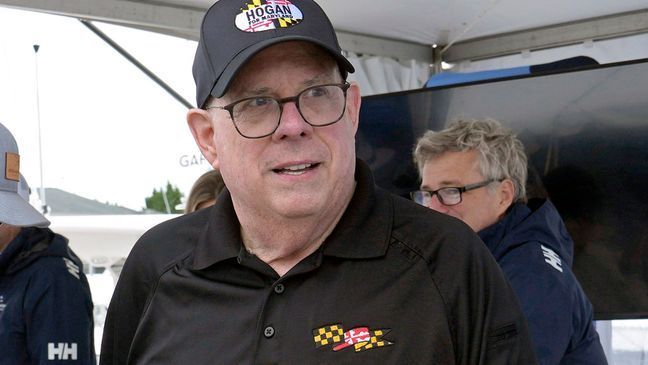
[233,31]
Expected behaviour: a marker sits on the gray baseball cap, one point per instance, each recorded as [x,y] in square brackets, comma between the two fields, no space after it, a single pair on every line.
[233,31]
[14,209]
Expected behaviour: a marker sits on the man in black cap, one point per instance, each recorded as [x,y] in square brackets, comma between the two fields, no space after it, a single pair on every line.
[302,260]
[45,303]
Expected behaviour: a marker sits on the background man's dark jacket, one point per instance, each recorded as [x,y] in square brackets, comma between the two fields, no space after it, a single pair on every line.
[533,248]
[45,302]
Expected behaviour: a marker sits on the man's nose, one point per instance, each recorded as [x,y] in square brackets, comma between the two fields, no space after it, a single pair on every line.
[291,123]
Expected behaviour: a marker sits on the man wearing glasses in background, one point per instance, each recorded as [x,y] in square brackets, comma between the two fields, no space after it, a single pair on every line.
[302,260]
[476,170]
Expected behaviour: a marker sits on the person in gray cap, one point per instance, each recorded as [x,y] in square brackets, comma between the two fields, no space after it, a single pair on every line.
[46,311]
[302,260]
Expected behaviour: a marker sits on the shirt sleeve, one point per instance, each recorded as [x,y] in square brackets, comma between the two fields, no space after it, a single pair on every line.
[156,251]
[125,309]
[59,315]
[485,316]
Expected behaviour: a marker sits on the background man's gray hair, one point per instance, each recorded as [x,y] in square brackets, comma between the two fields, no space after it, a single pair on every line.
[501,153]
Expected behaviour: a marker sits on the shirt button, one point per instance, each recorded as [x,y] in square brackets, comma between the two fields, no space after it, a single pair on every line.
[279,288]
[269,332]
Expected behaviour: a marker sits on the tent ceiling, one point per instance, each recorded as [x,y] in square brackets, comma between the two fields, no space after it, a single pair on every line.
[366,25]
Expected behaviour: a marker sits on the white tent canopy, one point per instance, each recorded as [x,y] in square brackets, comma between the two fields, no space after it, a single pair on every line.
[404,29]
[392,43]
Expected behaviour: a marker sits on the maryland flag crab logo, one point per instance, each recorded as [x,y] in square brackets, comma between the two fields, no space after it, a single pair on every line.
[360,338]
[261,15]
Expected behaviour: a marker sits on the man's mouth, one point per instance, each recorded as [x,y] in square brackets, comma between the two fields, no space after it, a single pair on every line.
[296,169]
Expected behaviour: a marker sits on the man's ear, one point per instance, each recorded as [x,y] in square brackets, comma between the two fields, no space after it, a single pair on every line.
[353,104]
[506,195]
[202,129]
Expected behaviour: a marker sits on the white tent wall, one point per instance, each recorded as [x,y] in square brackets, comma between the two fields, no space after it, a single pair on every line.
[101,240]
[378,75]
[604,51]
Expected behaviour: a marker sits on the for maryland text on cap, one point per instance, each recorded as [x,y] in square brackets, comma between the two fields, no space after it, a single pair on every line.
[233,31]
[14,210]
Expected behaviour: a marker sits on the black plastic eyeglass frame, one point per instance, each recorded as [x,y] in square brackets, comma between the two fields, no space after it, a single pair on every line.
[230,107]
[461,189]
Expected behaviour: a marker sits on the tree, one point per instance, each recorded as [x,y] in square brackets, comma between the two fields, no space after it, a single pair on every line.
[173,198]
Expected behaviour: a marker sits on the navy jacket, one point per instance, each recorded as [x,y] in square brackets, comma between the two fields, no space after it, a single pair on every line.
[46,312]
[534,250]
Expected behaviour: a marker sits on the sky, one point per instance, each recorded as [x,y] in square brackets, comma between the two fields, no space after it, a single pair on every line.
[108,132]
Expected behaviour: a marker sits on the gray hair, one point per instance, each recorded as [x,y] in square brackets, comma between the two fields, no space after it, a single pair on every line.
[501,153]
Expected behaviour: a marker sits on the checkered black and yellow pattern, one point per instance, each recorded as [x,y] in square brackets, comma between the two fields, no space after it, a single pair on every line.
[374,342]
[328,335]
[287,22]
[254,4]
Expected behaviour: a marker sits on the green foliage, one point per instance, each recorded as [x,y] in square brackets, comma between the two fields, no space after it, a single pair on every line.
[156,200]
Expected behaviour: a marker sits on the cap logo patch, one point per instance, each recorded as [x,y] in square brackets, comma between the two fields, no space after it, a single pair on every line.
[262,15]
[12,166]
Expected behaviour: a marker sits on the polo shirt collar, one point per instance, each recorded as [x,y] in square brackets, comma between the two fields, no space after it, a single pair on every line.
[368,215]
[221,240]
[364,230]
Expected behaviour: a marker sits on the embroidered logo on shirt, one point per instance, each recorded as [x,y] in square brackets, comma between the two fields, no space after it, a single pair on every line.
[552,258]
[61,351]
[361,338]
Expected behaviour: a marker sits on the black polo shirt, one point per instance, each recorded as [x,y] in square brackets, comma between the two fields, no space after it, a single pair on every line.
[395,283]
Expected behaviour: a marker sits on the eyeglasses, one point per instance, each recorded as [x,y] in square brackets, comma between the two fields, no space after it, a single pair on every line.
[447,196]
[259,116]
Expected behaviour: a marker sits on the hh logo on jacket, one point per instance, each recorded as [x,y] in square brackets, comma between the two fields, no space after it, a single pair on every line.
[61,351]
[552,258]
